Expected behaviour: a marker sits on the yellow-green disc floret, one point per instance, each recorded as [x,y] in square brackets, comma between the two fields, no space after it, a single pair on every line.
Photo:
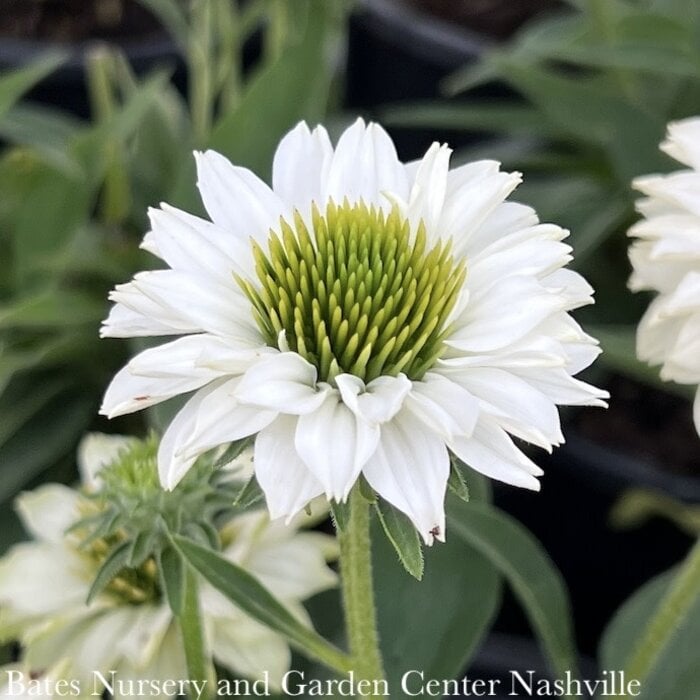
[359,293]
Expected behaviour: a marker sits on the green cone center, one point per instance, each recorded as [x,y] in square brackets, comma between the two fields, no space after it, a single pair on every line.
[358,293]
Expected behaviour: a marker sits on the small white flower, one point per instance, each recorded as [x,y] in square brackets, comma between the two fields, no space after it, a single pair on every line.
[362,316]
[666,259]
[129,628]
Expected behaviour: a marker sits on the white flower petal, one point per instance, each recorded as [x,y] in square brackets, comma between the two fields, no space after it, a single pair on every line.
[377,402]
[144,638]
[570,286]
[335,444]
[123,322]
[250,649]
[683,142]
[491,452]
[503,314]
[428,191]
[194,245]
[287,482]
[536,251]
[506,218]
[48,511]
[212,417]
[562,388]
[88,644]
[25,571]
[197,300]
[513,403]
[293,568]
[283,382]
[236,199]
[470,206]
[128,393]
[179,358]
[443,405]
[678,189]
[410,469]
[365,167]
[136,309]
[300,166]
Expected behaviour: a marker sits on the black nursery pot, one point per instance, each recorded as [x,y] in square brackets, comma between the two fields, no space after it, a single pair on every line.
[398,54]
[66,87]
[602,566]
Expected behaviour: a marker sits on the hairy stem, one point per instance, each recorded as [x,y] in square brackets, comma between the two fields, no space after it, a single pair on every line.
[673,609]
[358,592]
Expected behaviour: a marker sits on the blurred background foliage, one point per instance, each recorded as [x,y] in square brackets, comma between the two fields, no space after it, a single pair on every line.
[589,91]
[75,194]
[577,99]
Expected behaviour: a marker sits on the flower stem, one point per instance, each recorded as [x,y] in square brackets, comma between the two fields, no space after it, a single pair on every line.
[358,592]
[605,25]
[199,665]
[673,609]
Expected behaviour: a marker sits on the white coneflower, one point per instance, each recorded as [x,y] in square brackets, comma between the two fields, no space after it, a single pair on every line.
[360,316]
[129,627]
[666,259]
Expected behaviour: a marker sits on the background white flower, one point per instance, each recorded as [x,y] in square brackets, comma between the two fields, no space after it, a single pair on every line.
[44,585]
[666,259]
[360,316]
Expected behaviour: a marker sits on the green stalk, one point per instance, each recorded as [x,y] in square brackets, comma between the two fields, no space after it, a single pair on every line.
[228,60]
[672,610]
[115,199]
[199,664]
[200,58]
[276,34]
[358,592]
[599,11]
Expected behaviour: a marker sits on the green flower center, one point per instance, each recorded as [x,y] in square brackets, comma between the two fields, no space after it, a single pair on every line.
[359,293]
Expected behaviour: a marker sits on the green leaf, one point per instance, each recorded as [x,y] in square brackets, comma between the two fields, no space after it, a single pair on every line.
[141,548]
[105,526]
[247,593]
[172,577]
[49,436]
[675,673]
[403,536]
[456,482]
[368,493]
[234,450]
[478,485]
[526,566]
[436,624]
[114,563]
[250,494]
[294,87]
[14,84]
[60,205]
[199,661]
[340,512]
[55,308]
[18,406]
[46,132]
[43,353]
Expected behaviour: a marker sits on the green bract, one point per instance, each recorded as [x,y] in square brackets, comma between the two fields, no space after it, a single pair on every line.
[128,521]
[358,293]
